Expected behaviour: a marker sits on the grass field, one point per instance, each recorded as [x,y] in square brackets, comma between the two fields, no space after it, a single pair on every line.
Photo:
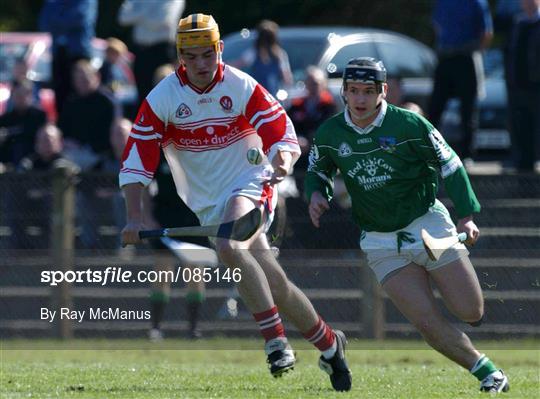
[153,372]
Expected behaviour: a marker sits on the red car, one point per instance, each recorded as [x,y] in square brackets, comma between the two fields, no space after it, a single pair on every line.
[35,49]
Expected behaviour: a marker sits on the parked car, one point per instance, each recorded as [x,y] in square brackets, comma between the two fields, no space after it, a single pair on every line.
[406,59]
[35,49]
[330,47]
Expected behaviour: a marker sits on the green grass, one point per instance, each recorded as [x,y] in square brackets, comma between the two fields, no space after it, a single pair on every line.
[388,371]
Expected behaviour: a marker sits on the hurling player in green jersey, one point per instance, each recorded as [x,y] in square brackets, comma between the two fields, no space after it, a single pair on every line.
[390,159]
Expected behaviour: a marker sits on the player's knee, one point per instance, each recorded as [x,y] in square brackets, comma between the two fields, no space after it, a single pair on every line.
[473,315]
[478,322]
[228,250]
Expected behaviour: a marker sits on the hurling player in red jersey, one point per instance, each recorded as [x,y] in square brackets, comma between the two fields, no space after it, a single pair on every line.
[205,117]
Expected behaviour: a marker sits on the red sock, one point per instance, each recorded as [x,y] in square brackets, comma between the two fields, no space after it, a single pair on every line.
[321,335]
[270,324]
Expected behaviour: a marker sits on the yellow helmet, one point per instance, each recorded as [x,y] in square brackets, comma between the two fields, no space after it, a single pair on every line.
[197,30]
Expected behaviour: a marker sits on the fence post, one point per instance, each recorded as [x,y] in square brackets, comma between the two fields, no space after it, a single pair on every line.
[62,239]
[373,312]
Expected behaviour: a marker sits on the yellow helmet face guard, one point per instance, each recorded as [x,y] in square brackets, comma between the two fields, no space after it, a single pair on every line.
[197,30]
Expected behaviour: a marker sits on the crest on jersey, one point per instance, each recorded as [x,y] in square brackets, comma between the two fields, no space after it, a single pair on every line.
[345,150]
[226,103]
[387,144]
[183,111]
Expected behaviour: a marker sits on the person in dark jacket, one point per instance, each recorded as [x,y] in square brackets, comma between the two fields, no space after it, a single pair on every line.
[72,26]
[18,127]
[87,118]
[524,86]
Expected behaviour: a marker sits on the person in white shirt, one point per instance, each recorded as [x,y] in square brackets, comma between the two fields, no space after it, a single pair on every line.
[154,29]
[206,116]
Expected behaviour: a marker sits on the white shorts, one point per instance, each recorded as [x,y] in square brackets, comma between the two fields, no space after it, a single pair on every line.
[255,189]
[384,257]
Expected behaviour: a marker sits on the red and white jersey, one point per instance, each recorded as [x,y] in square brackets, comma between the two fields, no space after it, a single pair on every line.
[205,135]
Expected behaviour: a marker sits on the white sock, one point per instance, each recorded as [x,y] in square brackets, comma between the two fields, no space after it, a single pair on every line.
[330,352]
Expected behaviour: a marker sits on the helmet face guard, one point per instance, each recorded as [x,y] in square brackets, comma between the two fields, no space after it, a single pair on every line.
[197,30]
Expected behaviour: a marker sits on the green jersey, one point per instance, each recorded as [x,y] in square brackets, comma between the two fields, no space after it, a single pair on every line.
[390,168]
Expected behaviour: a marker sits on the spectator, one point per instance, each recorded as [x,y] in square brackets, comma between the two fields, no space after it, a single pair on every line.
[114,54]
[524,86]
[119,137]
[162,72]
[29,229]
[18,127]
[47,150]
[463,28]
[413,107]
[505,15]
[86,122]
[394,96]
[19,71]
[117,140]
[308,112]
[268,62]
[111,195]
[87,118]
[19,74]
[154,29]
[72,26]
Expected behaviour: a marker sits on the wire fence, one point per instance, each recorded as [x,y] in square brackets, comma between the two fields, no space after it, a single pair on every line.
[64,222]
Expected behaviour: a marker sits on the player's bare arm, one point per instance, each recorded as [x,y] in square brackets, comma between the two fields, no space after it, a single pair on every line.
[281,163]
[134,211]
[317,206]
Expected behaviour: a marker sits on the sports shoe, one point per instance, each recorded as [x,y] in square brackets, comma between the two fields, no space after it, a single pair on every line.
[280,356]
[495,382]
[336,367]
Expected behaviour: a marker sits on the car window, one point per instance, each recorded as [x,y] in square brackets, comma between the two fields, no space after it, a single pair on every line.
[9,53]
[41,70]
[235,48]
[335,66]
[493,64]
[405,59]
[301,51]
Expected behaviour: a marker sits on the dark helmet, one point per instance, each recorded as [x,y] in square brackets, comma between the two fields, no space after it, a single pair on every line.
[364,70]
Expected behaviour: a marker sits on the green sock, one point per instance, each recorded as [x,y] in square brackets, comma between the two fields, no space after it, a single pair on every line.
[195,296]
[194,299]
[159,296]
[158,301]
[483,367]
